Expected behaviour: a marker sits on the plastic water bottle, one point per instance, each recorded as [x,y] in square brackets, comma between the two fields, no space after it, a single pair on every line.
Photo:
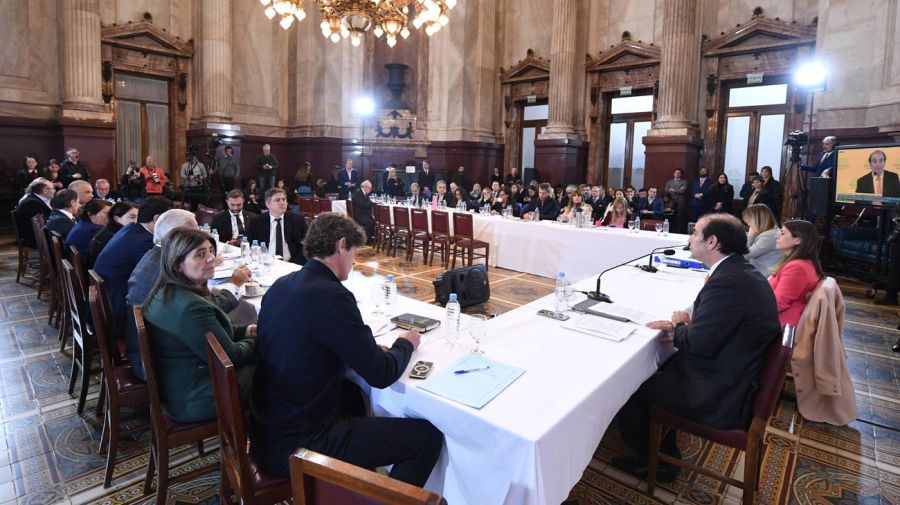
[637,224]
[215,235]
[451,320]
[666,228]
[390,295]
[245,250]
[264,258]
[560,292]
[254,251]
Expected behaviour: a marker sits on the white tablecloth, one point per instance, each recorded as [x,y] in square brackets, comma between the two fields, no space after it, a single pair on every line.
[531,444]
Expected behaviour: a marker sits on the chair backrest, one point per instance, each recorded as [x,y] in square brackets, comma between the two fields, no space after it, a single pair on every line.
[205,215]
[401,217]
[349,208]
[306,206]
[230,413]
[104,306]
[419,220]
[440,222]
[55,241]
[15,223]
[649,224]
[74,294]
[383,213]
[462,225]
[316,206]
[40,239]
[75,259]
[324,205]
[774,371]
[317,479]
[103,332]
[145,342]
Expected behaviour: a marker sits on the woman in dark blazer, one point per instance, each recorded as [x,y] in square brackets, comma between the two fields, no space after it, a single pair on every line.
[93,217]
[721,195]
[119,215]
[179,311]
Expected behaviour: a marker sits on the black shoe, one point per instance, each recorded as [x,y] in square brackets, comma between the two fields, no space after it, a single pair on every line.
[886,300]
[637,467]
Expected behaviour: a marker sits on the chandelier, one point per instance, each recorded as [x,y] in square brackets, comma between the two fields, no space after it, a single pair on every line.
[343,19]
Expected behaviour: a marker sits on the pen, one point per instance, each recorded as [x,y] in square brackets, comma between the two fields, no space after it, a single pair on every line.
[460,372]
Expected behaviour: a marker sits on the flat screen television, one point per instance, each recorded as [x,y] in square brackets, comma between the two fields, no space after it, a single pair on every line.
[867,175]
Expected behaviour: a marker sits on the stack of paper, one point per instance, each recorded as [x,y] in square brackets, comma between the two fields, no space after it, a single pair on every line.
[600,327]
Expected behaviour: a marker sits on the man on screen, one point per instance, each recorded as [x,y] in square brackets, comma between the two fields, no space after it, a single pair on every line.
[879,181]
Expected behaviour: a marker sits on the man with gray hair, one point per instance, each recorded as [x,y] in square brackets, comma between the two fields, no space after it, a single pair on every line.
[84,190]
[362,209]
[145,274]
[73,169]
[266,167]
[825,163]
[102,191]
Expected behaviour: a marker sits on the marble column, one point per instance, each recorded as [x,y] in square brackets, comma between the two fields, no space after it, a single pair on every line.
[679,68]
[561,120]
[215,60]
[82,79]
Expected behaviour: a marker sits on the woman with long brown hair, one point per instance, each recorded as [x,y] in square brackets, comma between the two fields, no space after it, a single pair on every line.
[799,272]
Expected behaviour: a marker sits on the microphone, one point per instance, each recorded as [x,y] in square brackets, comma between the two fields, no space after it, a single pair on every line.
[603,297]
[667,251]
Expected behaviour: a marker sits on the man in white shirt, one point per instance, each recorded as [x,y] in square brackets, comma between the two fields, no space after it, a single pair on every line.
[232,223]
[281,230]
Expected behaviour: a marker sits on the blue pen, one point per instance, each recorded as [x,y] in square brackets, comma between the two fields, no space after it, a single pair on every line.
[460,372]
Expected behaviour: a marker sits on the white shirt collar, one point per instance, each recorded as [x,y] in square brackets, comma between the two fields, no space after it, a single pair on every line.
[715,265]
[66,213]
[43,199]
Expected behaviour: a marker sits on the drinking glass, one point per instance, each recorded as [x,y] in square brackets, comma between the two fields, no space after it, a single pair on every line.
[267,261]
[478,330]
[376,294]
[631,224]
[658,228]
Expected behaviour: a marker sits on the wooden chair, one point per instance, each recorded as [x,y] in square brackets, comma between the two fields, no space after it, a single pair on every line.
[75,260]
[324,205]
[165,431]
[84,345]
[306,207]
[440,234]
[317,479]
[40,239]
[403,229]
[238,468]
[650,224]
[350,209]
[123,388]
[55,241]
[749,440]
[205,215]
[384,230]
[420,233]
[464,240]
[28,257]
[316,207]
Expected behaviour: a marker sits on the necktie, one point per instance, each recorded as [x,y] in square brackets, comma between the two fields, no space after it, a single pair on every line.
[879,190]
[240,224]
[279,239]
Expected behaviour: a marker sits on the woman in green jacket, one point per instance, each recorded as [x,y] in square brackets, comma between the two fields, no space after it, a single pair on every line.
[178,313]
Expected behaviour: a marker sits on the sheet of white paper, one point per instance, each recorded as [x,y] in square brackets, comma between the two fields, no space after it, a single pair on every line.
[600,327]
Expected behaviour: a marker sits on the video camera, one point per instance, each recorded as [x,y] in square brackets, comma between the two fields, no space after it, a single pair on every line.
[797,139]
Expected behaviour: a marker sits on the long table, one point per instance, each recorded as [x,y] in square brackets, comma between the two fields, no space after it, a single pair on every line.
[546,248]
[530,444]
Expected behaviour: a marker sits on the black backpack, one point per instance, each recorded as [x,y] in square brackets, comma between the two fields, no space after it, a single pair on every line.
[469,283]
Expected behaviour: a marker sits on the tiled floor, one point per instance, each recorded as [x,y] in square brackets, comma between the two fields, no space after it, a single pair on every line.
[48,454]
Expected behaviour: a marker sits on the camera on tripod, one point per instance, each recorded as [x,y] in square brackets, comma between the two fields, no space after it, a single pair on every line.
[797,139]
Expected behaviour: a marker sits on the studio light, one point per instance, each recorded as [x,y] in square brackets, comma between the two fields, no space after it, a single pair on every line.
[364,106]
[811,76]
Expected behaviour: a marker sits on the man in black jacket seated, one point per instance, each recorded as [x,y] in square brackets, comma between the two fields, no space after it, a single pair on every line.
[545,204]
[232,222]
[310,333]
[712,378]
[281,230]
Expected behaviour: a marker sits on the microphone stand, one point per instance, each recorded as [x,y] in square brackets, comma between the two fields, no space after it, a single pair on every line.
[602,297]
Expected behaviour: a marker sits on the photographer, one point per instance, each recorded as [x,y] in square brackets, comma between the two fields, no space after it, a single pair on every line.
[132,182]
[155,179]
[195,179]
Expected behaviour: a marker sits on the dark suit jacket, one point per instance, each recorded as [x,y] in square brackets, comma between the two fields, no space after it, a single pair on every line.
[116,262]
[30,207]
[81,235]
[770,195]
[449,199]
[417,200]
[222,223]
[657,207]
[362,208]
[60,223]
[714,374]
[294,233]
[890,184]
[68,169]
[699,206]
[425,180]
[719,193]
[822,163]
[343,179]
[310,333]
[549,209]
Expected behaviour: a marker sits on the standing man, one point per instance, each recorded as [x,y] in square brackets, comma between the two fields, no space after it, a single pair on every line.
[699,193]
[232,223]
[195,179]
[310,334]
[824,166]
[266,166]
[362,209]
[513,177]
[283,231]
[459,177]
[348,179]
[722,348]
[155,179]
[229,169]
[27,173]
[72,169]
[425,179]
[677,189]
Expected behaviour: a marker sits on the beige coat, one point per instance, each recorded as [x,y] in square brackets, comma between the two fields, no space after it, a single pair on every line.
[819,361]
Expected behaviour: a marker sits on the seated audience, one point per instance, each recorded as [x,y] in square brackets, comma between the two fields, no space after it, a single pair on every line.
[93,217]
[495,189]
[722,348]
[546,207]
[444,198]
[721,195]
[486,198]
[364,209]
[310,333]
[252,196]
[123,252]
[232,222]
[102,191]
[121,214]
[761,238]
[799,272]
[617,214]
[37,200]
[504,201]
[414,194]
[576,204]
[461,196]
[394,187]
[291,196]
[652,207]
[531,193]
[281,230]
[26,174]
[515,192]
[65,207]
[631,198]
[178,313]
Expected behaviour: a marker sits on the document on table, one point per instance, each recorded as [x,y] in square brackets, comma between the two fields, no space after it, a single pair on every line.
[484,381]
[617,310]
[600,327]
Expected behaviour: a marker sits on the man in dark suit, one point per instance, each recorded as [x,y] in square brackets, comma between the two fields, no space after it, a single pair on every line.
[283,231]
[73,169]
[232,223]
[825,162]
[348,179]
[459,177]
[598,202]
[362,209]
[699,191]
[65,207]
[722,347]
[310,333]
[444,196]
[102,191]
[545,204]
[879,181]
[415,194]
[651,207]
[123,252]
[425,178]
[37,201]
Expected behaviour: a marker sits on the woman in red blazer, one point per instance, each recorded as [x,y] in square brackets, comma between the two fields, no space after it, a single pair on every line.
[798,274]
